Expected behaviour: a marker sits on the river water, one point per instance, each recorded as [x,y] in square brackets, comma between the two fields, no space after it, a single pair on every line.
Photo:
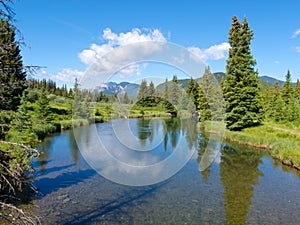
[239,186]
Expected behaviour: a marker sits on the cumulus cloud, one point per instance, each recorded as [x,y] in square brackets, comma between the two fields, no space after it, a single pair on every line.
[215,52]
[296,33]
[114,41]
[120,51]
[66,75]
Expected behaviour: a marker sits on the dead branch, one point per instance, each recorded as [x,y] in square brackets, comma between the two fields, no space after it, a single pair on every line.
[33,152]
[15,215]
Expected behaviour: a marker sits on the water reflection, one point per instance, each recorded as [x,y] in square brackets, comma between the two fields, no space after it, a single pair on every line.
[57,146]
[173,128]
[239,172]
[189,127]
[144,131]
[202,144]
[127,151]
[45,148]
[73,147]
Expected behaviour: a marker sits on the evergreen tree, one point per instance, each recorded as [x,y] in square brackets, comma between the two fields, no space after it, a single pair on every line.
[175,91]
[166,90]
[126,98]
[12,76]
[143,90]
[241,87]
[183,101]
[288,90]
[203,93]
[43,107]
[298,89]
[193,91]
[114,97]
[210,100]
[79,109]
[151,89]
[289,96]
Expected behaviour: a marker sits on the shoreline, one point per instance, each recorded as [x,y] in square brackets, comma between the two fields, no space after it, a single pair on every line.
[263,141]
[260,139]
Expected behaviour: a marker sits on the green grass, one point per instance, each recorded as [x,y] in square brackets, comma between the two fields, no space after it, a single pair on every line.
[282,144]
[138,112]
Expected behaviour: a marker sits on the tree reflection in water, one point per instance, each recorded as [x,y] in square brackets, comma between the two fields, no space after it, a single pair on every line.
[239,172]
[173,129]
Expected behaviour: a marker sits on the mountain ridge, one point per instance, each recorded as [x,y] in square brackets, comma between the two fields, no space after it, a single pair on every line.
[132,88]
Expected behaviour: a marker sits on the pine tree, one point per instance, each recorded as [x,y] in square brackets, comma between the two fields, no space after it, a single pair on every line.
[166,90]
[203,94]
[241,87]
[43,107]
[114,97]
[193,91]
[288,90]
[143,90]
[126,98]
[298,89]
[12,76]
[79,109]
[151,89]
[175,91]
[289,97]
[183,101]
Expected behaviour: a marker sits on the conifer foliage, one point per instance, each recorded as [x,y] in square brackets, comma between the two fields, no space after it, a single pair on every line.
[241,87]
[12,75]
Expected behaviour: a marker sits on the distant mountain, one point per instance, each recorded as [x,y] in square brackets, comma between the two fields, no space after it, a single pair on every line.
[219,75]
[113,87]
[270,80]
[185,82]
[133,88]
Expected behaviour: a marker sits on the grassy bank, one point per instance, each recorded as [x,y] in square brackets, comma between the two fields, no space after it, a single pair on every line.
[280,141]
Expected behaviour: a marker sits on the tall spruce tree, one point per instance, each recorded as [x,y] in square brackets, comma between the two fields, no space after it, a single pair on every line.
[205,94]
[290,100]
[126,99]
[166,90]
[12,75]
[193,91]
[288,90]
[175,91]
[241,87]
[151,89]
[143,90]
[298,89]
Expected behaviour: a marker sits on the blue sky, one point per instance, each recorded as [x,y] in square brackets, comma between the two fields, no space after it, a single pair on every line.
[65,35]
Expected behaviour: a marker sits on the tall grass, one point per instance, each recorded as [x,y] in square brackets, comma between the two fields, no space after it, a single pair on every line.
[281,144]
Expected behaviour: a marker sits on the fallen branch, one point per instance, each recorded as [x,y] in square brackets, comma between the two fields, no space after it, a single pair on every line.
[14,215]
[34,152]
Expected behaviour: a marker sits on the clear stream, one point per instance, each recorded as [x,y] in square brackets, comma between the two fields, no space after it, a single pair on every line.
[242,185]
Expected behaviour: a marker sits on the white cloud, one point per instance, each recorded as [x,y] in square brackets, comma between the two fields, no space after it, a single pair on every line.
[215,52]
[297,49]
[64,76]
[277,62]
[119,52]
[296,33]
[114,41]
